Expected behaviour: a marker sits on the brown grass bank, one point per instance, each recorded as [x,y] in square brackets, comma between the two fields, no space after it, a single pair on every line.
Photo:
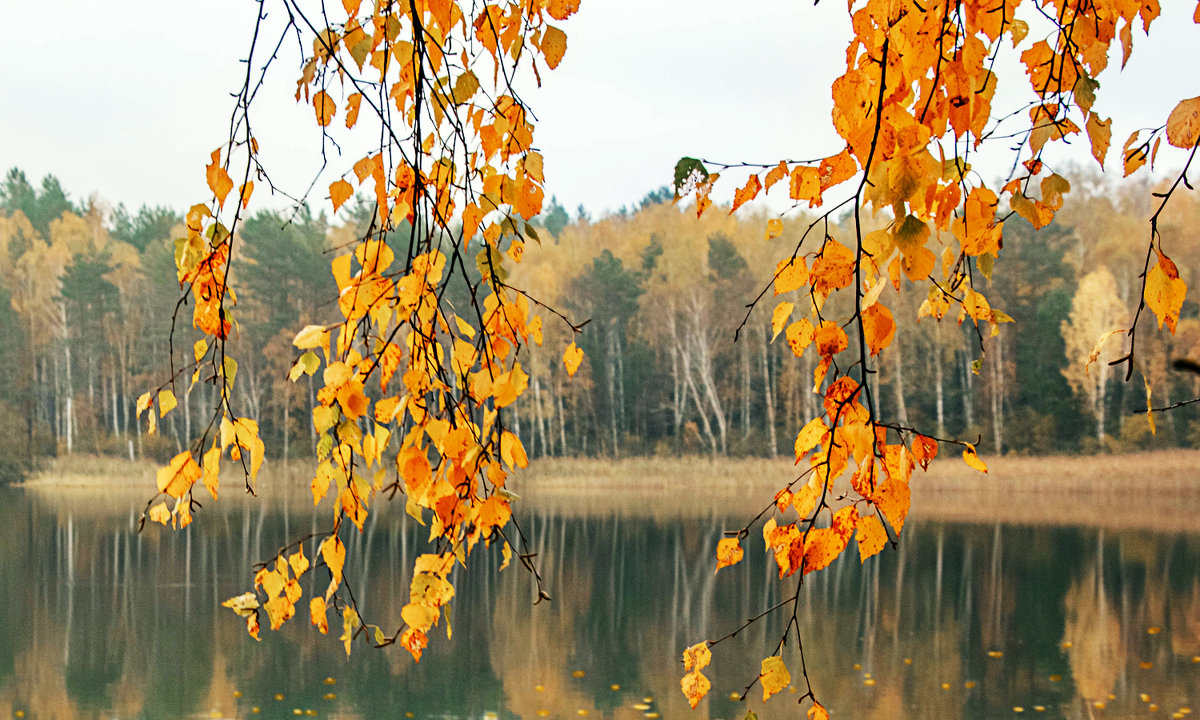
[1155,491]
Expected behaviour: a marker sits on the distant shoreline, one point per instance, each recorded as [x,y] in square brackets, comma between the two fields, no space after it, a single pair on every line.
[1157,490]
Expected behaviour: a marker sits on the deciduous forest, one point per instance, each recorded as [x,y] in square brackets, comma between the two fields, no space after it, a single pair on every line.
[90,286]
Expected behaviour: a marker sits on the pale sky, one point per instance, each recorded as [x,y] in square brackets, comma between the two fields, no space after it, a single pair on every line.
[127,99]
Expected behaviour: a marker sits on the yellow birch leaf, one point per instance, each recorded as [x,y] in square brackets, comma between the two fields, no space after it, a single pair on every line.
[1165,292]
[1183,124]
[871,537]
[512,452]
[972,459]
[245,191]
[212,470]
[507,554]
[178,476]
[312,336]
[774,676]
[339,192]
[790,274]
[780,317]
[350,623]
[774,228]
[823,545]
[571,358]
[298,562]
[818,711]
[325,108]
[554,46]
[317,611]
[1099,134]
[333,552]
[810,436]
[244,604]
[747,193]
[218,179]
[353,103]
[160,514]
[695,686]
[697,657]
[167,403]
[729,552]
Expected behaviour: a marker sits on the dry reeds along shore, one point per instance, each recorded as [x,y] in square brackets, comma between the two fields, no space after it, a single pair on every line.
[1155,491]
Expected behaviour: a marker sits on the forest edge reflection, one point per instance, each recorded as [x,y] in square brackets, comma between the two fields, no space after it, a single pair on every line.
[963,620]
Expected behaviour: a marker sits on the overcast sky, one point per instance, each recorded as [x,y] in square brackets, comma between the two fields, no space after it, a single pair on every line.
[127,99]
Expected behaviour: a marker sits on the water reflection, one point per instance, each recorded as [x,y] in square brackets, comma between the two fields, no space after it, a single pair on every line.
[962,621]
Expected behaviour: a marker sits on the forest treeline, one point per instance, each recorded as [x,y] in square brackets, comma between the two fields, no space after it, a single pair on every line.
[88,299]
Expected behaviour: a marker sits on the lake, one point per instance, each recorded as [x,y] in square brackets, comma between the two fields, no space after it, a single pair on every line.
[962,620]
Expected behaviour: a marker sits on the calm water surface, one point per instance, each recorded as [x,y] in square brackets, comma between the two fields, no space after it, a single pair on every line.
[962,621]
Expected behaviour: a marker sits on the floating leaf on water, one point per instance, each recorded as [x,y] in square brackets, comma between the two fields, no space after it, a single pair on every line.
[945,686]
[614,687]
[969,684]
[1145,664]
[579,673]
[869,682]
[278,696]
[330,681]
[908,661]
[1153,630]
[1055,678]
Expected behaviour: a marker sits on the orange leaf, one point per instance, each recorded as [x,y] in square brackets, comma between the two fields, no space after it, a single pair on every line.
[352,106]
[774,676]
[810,436]
[729,552]
[1100,134]
[774,228]
[823,545]
[924,450]
[339,192]
[245,192]
[695,686]
[571,358]
[317,611]
[697,657]
[1183,124]
[218,179]
[333,551]
[554,46]
[871,537]
[818,712]
[325,108]
[748,192]
[879,327]
[780,317]
[178,476]
[1165,292]
[790,274]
